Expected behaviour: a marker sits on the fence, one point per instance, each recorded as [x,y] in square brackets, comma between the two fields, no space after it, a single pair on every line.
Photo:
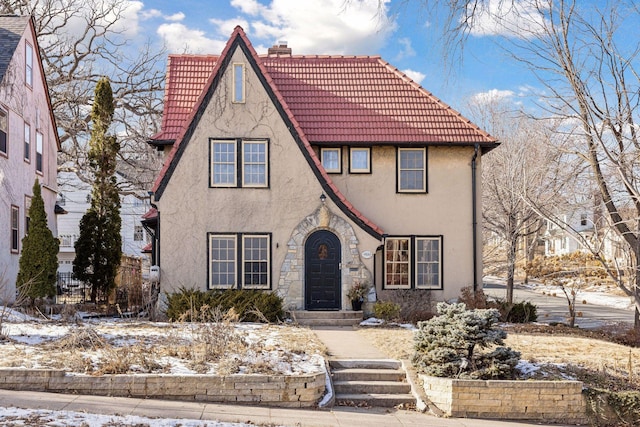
[128,293]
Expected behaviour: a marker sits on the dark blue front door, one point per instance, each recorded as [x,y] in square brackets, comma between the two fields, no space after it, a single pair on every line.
[322,271]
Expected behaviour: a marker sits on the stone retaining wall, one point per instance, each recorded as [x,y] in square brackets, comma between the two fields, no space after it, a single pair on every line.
[267,390]
[551,401]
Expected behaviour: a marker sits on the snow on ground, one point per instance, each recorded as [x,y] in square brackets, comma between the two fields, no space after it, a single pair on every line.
[40,417]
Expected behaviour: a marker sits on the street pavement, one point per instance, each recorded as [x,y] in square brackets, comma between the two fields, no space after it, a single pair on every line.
[555,309]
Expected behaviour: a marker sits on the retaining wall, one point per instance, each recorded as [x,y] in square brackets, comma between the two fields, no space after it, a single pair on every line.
[551,401]
[268,390]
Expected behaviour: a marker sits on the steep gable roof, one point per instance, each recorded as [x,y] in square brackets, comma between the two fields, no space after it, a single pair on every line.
[11,30]
[186,76]
[239,40]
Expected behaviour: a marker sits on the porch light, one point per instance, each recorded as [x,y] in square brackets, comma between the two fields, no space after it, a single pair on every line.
[323,197]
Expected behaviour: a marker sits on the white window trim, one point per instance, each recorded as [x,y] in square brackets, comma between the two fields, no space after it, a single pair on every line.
[40,140]
[15,220]
[212,182]
[424,171]
[324,150]
[5,114]
[27,141]
[353,150]
[386,264]
[235,261]
[439,284]
[241,99]
[28,64]
[266,162]
[268,260]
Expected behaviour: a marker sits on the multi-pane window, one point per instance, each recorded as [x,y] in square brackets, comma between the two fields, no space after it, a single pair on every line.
[397,263]
[223,163]
[15,228]
[331,159]
[39,152]
[3,131]
[428,265]
[412,170]
[254,164]
[27,142]
[239,163]
[222,259]
[360,160]
[28,65]
[239,260]
[138,233]
[238,83]
[413,262]
[255,261]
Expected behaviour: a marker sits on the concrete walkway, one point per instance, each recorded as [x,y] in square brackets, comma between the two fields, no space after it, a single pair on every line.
[344,342]
[339,416]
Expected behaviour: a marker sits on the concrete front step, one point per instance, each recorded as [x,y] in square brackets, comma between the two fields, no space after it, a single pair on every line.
[357,374]
[372,399]
[371,387]
[376,382]
[327,318]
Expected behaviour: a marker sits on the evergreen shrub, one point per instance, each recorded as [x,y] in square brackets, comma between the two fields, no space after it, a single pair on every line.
[251,305]
[386,310]
[450,345]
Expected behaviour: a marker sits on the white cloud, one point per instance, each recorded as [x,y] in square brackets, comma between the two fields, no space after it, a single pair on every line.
[179,38]
[416,76]
[517,18]
[224,28]
[407,50]
[176,17]
[492,96]
[320,26]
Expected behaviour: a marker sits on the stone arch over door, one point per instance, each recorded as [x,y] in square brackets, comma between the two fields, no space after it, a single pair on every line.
[291,286]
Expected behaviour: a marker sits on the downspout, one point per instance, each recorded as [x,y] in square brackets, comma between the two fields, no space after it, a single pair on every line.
[474,215]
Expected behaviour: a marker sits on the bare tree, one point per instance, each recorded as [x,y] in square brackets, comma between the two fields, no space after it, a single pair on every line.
[513,174]
[80,42]
[585,55]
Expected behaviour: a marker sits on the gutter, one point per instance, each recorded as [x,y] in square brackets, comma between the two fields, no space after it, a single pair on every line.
[474,215]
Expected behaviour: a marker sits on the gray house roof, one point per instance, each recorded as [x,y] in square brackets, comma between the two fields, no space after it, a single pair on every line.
[11,30]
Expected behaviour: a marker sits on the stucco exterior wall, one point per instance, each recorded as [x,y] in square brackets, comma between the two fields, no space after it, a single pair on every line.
[189,209]
[446,209]
[24,105]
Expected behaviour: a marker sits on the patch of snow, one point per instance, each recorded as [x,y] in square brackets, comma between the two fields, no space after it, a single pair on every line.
[527,368]
[372,321]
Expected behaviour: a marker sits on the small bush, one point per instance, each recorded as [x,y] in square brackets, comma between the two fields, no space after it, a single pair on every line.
[415,304]
[519,312]
[475,299]
[251,305]
[610,408]
[386,310]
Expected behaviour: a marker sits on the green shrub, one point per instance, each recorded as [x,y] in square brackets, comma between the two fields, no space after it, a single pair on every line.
[451,344]
[251,305]
[386,310]
[415,304]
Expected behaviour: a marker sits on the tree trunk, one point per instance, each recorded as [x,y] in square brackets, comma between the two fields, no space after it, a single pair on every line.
[511,268]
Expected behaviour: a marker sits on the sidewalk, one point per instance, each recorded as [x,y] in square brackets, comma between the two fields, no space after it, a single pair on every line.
[338,417]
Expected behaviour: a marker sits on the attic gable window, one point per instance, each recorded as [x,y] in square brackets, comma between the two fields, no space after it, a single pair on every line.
[239,163]
[238,83]
[331,159]
[412,170]
[3,131]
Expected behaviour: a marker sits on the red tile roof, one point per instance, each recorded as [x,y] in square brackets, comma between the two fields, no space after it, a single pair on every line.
[182,139]
[186,77]
[150,214]
[335,99]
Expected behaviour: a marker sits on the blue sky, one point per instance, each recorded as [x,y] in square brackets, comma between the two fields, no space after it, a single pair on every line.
[399,32]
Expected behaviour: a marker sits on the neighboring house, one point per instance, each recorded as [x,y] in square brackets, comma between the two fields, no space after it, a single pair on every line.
[28,142]
[306,174]
[75,198]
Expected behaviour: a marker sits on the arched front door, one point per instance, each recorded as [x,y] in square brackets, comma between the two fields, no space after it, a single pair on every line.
[322,271]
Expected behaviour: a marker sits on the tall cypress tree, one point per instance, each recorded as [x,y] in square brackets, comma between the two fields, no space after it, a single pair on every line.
[39,258]
[99,246]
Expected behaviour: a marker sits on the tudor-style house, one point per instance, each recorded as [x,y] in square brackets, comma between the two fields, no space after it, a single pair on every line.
[303,175]
[28,142]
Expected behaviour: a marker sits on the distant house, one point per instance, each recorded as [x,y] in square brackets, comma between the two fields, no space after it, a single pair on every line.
[75,198]
[28,142]
[304,175]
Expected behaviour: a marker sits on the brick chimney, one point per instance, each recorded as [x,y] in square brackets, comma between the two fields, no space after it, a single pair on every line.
[279,48]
